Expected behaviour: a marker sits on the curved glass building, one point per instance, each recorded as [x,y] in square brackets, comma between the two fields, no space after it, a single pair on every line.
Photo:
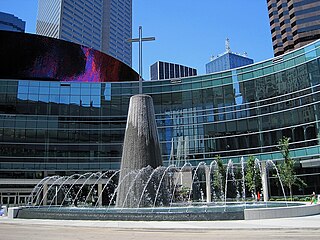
[53,123]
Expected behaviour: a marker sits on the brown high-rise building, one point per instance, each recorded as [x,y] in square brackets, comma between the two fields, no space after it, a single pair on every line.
[293,23]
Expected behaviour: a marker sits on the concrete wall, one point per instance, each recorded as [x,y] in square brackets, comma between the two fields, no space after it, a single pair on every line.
[282,212]
[13,212]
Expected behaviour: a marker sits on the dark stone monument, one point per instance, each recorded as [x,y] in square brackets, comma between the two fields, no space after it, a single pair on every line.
[141,149]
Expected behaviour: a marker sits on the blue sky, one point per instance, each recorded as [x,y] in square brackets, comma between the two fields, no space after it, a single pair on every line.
[187,32]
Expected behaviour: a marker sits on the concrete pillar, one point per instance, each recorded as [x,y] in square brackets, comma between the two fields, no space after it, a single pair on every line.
[44,190]
[264,179]
[186,178]
[5,211]
[99,194]
[45,195]
[56,194]
[208,183]
[13,212]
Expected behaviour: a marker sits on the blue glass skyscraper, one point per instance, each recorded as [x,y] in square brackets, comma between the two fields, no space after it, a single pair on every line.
[227,60]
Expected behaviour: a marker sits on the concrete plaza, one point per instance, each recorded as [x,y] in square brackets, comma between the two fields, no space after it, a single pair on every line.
[282,228]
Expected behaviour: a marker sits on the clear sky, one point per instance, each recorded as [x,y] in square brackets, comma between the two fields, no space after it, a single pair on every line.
[187,32]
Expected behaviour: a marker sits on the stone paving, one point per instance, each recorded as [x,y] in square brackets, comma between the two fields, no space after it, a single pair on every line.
[284,228]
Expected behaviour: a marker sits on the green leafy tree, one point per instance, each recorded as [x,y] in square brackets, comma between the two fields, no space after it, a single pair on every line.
[286,169]
[252,176]
[219,177]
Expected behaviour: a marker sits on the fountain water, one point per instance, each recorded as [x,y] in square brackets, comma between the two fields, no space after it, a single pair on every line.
[105,186]
[45,195]
[160,184]
[243,180]
[229,171]
[131,186]
[193,178]
[270,163]
[153,182]
[147,184]
[145,190]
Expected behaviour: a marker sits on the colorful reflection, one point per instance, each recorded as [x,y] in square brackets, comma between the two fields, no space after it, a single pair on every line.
[30,56]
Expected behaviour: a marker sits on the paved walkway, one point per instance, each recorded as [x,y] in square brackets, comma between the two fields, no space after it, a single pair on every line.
[310,222]
[34,229]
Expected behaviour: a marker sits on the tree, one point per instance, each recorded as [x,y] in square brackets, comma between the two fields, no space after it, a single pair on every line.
[286,169]
[252,176]
[218,178]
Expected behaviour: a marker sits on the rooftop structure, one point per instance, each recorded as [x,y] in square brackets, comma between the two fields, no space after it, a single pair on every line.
[165,70]
[227,60]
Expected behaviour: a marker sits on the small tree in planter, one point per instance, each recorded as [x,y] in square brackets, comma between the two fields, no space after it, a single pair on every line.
[219,178]
[252,176]
[287,172]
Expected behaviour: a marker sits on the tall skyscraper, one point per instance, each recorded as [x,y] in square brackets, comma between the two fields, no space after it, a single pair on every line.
[293,23]
[9,22]
[105,25]
[227,60]
[165,70]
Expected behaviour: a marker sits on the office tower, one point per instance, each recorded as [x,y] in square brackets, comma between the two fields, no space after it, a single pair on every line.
[9,22]
[293,23]
[227,60]
[104,25]
[166,70]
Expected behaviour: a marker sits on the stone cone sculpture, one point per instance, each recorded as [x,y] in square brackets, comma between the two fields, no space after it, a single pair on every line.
[141,149]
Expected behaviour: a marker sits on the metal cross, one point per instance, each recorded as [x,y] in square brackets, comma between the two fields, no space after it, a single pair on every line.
[140,40]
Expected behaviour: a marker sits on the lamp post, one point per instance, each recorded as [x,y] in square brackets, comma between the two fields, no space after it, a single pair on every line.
[140,40]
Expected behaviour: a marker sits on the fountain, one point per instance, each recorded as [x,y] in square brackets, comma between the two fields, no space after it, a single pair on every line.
[141,148]
[143,189]
[172,197]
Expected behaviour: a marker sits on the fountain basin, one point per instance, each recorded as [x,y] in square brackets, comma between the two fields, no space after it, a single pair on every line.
[286,212]
[211,212]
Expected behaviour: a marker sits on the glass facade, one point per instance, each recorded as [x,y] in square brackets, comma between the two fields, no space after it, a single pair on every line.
[9,22]
[118,29]
[232,114]
[54,125]
[59,127]
[227,61]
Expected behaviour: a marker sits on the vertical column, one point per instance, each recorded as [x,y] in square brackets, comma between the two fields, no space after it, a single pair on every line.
[45,195]
[208,183]
[264,179]
[56,199]
[99,194]
[44,190]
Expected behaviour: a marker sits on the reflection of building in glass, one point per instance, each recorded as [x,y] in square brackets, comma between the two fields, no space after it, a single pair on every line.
[227,60]
[293,23]
[104,25]
[48,58]
[166,70]
[9,22]
[50,127]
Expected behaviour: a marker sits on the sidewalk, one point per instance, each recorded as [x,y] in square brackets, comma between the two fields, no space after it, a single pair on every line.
[310,222]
